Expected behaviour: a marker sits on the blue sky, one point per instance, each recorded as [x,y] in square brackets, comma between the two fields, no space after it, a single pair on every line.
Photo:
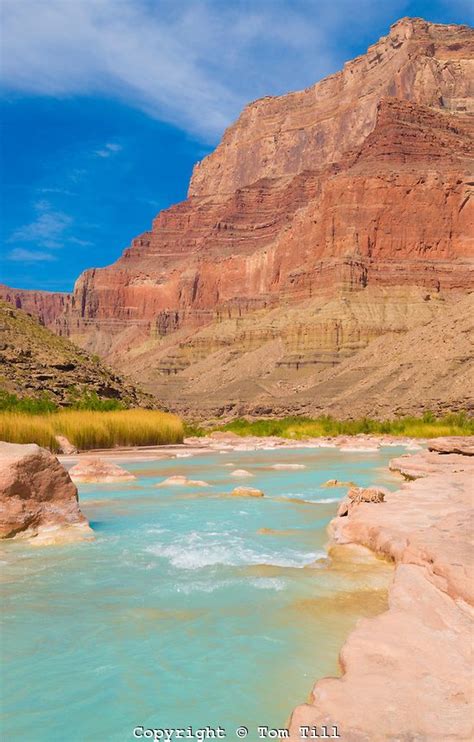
[107,104]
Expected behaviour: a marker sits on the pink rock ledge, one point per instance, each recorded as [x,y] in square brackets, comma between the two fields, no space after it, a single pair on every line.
[407,674]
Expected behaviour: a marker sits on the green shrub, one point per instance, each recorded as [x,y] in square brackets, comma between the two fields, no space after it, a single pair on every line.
[31,405]
[427,426]
[92,401]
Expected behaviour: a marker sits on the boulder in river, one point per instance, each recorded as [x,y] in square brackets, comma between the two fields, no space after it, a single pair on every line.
[246,492]
[181,481]
[337,483]
[37,496]
[98,470]
[288,467]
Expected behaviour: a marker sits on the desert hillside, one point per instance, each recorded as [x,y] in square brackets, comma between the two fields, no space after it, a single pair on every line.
[34,360]
[424,362]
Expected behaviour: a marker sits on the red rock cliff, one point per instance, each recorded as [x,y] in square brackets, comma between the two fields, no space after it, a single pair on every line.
[422,62]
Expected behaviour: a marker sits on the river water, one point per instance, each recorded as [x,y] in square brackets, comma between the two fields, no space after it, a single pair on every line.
[181,611]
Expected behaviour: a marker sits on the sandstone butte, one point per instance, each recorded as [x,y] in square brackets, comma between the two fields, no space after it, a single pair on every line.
[407,673]
[38,500]
[328,225]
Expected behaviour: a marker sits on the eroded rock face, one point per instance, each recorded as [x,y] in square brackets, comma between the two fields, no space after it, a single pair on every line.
[421,62]
[37,496]
[423,644]
[303,239]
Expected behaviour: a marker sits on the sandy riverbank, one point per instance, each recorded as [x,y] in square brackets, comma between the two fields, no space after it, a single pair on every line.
[407,674]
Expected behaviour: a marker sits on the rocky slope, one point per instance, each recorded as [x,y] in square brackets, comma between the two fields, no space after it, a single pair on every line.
[324,219]
[33,360]
[319,357]
[424,640]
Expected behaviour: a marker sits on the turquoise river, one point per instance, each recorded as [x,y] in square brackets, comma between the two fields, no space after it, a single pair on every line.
[189,607]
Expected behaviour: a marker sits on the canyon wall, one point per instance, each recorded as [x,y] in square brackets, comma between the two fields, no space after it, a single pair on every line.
[426,63]
[359,185]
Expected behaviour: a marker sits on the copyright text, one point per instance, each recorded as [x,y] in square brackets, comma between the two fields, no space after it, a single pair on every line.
[241,732]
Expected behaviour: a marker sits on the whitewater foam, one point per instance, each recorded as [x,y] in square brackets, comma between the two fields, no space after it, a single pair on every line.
[197,550]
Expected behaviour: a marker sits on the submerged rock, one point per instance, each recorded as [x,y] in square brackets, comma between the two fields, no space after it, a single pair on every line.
[180,480]
[37,496]
[98,470]
[337,483]
[288,467]
[246,492]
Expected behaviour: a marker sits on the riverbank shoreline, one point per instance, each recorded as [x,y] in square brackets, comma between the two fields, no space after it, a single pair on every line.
[228,442]
[407,673]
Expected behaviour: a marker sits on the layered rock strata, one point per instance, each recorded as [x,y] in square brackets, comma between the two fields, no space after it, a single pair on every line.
[422,646]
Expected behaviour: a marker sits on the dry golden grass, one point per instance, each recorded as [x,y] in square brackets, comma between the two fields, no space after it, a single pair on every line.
[22,428]
[90,429]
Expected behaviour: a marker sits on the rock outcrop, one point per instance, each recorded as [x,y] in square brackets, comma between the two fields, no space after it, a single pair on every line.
[323,220]
[37,497]
[452,444]
[356,495]
[426,463]
[423,642]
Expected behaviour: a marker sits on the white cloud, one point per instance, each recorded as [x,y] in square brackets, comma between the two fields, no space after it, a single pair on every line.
[21,255]
[47,230]
[108,150]
[193,63]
